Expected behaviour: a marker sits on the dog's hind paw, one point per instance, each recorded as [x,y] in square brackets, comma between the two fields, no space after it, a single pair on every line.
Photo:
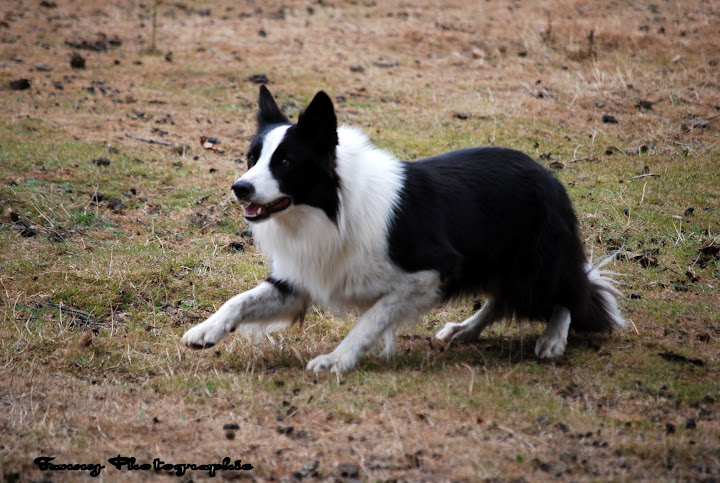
[447,333]
[550,345]
[203,336]
[333,362]
[455,333]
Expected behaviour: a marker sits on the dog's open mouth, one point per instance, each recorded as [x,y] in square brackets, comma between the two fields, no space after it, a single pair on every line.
[256,212]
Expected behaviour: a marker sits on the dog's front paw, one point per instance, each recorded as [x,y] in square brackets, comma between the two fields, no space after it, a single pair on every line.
[550,345]
[203,335]
[335,361]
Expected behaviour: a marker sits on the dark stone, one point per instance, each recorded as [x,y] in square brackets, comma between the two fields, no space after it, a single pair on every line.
[259,79]
[348,470]
[285,429]
[19,84]
[77,61]
[116,205]
[608,119]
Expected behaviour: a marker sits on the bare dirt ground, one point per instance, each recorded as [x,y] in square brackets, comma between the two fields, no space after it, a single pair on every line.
[111,247]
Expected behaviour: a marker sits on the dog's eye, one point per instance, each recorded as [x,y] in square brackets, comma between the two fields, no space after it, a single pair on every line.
[285,163]
[250,160]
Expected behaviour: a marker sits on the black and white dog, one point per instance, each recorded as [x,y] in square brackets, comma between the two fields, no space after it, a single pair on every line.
[349,225]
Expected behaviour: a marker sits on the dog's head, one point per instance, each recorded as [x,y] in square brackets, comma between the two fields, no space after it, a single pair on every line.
[291,164]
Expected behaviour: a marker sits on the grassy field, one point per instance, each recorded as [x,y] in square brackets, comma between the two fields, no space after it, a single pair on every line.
[111,247]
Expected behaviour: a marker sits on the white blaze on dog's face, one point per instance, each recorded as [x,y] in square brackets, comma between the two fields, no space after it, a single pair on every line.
[291,164]
[258,186]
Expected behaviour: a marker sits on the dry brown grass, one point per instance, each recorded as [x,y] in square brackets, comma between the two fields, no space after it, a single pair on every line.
[523,74]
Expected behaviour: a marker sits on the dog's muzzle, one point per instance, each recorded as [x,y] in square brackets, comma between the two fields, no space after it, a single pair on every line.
[254,211]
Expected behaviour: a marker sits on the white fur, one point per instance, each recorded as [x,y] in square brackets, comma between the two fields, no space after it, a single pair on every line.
[260,176]
[255,313]
[604,280]
[553,340]
[417,294]
[471,328]
[345,264]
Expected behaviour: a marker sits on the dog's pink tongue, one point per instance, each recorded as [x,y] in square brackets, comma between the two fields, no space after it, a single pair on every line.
[251,209]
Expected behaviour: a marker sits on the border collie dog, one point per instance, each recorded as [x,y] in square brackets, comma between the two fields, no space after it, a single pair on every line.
[350,226]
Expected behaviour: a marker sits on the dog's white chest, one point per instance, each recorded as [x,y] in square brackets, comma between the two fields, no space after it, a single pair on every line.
[310,252]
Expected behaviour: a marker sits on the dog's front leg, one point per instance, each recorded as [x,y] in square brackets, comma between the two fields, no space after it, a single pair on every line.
[269,302]
[413,297]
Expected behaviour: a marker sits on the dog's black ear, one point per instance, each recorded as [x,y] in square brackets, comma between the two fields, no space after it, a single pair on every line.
[318,122]
[268,110]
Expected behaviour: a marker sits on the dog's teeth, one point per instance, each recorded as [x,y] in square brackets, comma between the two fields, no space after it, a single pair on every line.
[259,211]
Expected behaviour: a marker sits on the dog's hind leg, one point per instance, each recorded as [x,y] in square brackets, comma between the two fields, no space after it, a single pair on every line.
[270,305]
[553,340]
[471,328]
[417,294]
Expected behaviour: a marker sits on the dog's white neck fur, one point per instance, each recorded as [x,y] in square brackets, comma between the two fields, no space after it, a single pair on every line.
[343,264]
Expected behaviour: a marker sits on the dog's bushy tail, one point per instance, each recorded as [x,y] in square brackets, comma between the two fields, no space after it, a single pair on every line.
[602,313]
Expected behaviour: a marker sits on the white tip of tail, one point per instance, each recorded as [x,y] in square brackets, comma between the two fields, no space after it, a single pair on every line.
[608,289]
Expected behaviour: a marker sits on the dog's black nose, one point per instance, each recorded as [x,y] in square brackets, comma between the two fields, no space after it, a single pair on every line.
[243,190]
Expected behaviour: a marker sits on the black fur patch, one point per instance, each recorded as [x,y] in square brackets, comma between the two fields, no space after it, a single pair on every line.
[306,173]
[285,288]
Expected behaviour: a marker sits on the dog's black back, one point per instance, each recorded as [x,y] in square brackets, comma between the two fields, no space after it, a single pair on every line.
[493,220]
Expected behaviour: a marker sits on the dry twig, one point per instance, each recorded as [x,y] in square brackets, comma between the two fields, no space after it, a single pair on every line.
[151,141]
